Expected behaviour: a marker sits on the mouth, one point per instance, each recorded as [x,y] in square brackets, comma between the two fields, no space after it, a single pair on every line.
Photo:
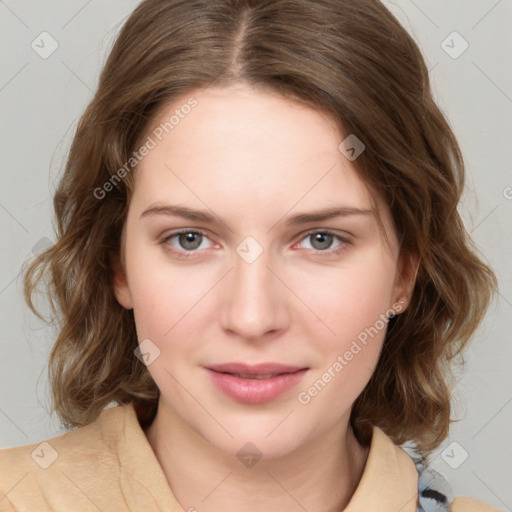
[255,383]
[257,377]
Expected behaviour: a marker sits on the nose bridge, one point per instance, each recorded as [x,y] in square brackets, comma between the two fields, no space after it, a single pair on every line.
[254,302]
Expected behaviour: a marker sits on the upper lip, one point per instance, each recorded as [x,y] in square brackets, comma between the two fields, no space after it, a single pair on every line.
[256,369]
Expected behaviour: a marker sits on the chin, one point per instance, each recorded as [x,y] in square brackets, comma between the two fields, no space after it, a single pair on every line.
[251,445]
[266,434]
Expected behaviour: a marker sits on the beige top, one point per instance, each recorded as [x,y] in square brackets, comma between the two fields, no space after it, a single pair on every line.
[110,466]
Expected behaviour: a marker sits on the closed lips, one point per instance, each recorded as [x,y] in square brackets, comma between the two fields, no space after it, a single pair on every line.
[259,371]
[240,376]
[255,384]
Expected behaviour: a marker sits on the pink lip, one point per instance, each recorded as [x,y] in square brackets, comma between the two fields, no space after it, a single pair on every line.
[252,390]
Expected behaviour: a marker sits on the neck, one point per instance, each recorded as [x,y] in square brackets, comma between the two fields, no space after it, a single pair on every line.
[320,475]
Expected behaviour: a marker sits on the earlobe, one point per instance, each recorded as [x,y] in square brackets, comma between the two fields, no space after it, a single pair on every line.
[407,271]
[120,283]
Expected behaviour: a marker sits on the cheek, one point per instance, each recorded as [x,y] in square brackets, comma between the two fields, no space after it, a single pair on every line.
[168,311]
[352,302]
[165,297]
[350,299]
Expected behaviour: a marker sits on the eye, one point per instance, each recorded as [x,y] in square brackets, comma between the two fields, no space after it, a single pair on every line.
[322,242]
[185,241]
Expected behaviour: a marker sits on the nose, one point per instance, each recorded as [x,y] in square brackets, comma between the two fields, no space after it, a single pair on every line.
[255,301]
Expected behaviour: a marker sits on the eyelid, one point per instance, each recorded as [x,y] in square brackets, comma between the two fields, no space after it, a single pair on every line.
[345,236]
[344,240]
[166,237]
[186,230]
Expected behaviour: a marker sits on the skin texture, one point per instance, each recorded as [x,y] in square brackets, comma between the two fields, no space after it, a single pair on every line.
[253,159]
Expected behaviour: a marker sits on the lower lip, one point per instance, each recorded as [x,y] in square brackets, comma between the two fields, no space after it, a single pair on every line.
[255,391]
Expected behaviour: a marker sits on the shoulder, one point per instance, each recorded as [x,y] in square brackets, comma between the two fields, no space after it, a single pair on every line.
[34,469]
[86,441]
[435,494]
[463,504]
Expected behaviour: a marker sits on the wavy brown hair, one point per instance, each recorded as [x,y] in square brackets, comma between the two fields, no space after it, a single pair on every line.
[351,60]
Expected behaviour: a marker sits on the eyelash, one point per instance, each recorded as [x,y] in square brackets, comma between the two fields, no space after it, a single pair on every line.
[317,253]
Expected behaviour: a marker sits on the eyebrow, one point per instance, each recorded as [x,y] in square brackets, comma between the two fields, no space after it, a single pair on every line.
[294,220]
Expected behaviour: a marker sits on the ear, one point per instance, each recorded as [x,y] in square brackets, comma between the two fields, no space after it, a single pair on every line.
[407,271]
[120,282]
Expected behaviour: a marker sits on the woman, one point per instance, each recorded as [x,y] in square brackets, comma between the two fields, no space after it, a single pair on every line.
[260,264]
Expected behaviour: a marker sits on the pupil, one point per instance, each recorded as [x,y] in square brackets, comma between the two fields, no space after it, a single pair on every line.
[323,239]
[190,240]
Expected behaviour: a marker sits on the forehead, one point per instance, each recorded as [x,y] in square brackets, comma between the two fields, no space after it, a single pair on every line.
[245,152]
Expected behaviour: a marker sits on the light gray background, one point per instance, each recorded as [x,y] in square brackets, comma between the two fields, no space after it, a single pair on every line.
[42,98]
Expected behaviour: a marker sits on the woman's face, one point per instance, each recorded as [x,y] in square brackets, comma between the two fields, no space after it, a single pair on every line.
[260,275]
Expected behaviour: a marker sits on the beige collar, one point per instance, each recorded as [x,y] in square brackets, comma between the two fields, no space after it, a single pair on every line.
[390,479]
[389,482]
